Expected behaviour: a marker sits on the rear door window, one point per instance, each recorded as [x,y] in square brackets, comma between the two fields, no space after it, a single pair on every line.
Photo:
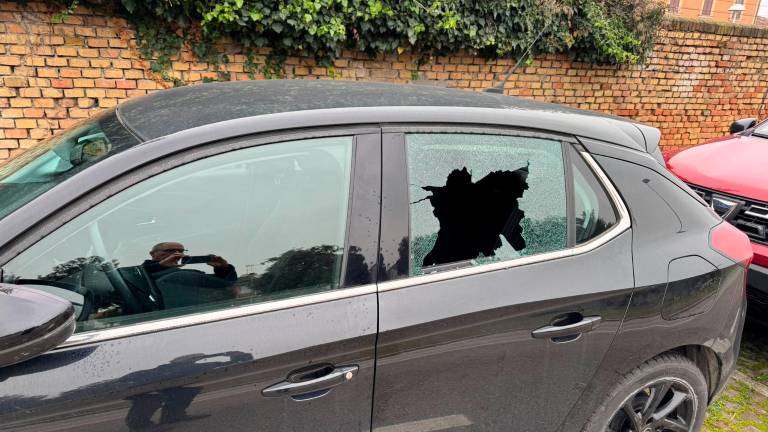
[594,213]
[478,199]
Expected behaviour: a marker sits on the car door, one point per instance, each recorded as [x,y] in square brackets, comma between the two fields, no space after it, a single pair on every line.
[275,333]
[507,270]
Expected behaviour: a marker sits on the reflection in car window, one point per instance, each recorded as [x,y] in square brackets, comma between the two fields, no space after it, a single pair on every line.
[59,158]
[761,129]
[594,211]
[477,199]
[249,226]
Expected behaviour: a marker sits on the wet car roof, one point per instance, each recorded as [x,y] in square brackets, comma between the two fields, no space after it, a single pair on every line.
[165,112]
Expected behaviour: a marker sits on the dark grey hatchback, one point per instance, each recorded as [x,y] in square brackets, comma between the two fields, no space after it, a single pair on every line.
[336,256]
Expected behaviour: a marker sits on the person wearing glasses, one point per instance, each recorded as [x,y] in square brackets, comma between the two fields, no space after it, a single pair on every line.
[168,255]
[162,283]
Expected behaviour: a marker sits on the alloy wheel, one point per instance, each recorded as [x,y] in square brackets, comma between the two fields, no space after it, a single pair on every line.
[665,405]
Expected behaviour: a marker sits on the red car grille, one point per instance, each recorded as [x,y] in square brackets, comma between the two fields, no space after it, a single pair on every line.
[746,214]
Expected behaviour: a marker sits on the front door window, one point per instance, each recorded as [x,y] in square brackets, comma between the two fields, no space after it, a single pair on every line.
[248,226]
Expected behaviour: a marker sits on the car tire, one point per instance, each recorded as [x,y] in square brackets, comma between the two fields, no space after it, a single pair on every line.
[650,391]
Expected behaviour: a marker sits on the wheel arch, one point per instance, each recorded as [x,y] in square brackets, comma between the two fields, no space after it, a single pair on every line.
[708,362]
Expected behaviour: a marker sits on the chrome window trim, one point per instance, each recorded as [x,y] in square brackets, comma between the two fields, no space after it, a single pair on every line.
[214,316]
[345,293]
[622,225]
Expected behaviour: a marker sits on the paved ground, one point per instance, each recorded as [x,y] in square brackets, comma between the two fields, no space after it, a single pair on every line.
[743,406]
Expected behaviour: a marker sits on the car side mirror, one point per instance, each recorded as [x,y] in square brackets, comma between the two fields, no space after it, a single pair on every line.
[32,323]
[742,125]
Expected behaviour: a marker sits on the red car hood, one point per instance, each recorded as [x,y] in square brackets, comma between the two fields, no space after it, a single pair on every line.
[735,165]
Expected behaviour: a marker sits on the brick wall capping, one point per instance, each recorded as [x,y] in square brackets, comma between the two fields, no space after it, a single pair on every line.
[673,23]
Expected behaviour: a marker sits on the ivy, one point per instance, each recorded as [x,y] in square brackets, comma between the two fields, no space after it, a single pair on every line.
[598,31]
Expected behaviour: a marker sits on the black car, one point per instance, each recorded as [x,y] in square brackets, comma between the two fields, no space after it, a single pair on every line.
[336,256]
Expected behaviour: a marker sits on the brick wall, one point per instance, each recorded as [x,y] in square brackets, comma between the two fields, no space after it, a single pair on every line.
[700,76]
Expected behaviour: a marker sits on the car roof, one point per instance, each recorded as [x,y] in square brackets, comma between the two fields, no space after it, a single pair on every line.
[166,112]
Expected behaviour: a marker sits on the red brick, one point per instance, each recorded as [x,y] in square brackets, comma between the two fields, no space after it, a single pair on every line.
[95,92]
[120,94]
[66,51]
[83,82]
[8,144]
[14,28]
[52,93]
[15,82]
[18,50]
[60,113]
[55,61]
[121,64]
[70,73]
[78,113]
[113,73]
[79,63]
[104,83]
[118,43]
[107,102]
[147,85]
[25,124]
[43,103]
[125,84]
[21,102]
[61,83]
[74,93]
[88,52]
[98,43]
[39,133]
[10,60]
[16,133]
[91,73]
[86,102]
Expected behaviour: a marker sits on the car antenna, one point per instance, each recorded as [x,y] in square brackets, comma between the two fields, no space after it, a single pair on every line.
[499,88]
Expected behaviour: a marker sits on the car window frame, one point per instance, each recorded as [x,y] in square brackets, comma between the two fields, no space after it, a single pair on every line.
[361,135]
[395,198]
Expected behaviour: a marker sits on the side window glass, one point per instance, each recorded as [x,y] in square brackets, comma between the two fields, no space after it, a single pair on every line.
[248,226]
[593,210]
[478,199]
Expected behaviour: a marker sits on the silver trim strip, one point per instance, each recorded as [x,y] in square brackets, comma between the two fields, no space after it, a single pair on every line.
[209,317]
[340,294]
[623,224]
[757,215]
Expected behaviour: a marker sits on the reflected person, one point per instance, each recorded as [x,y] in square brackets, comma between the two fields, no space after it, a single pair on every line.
[169,255]
[178,287]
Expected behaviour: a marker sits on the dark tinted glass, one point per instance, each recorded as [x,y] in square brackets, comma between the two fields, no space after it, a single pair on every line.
[762,129]
[594,212]
[477,199]
[259,224]
[59,158]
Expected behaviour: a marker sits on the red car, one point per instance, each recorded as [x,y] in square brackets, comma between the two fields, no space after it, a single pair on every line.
[731,174]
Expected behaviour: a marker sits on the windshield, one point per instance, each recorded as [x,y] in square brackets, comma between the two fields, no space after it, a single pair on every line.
[59,158]
[761,129]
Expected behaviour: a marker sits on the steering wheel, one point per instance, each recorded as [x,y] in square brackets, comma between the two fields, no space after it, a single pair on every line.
[132,303]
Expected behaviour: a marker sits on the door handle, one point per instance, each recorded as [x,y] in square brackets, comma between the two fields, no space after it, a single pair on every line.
[556,331]
[312,388]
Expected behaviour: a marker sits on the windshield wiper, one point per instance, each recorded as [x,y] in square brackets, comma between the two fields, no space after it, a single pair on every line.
[759,135]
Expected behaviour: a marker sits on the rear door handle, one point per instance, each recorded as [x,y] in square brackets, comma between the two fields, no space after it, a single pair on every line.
[313,388]
[586,324]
